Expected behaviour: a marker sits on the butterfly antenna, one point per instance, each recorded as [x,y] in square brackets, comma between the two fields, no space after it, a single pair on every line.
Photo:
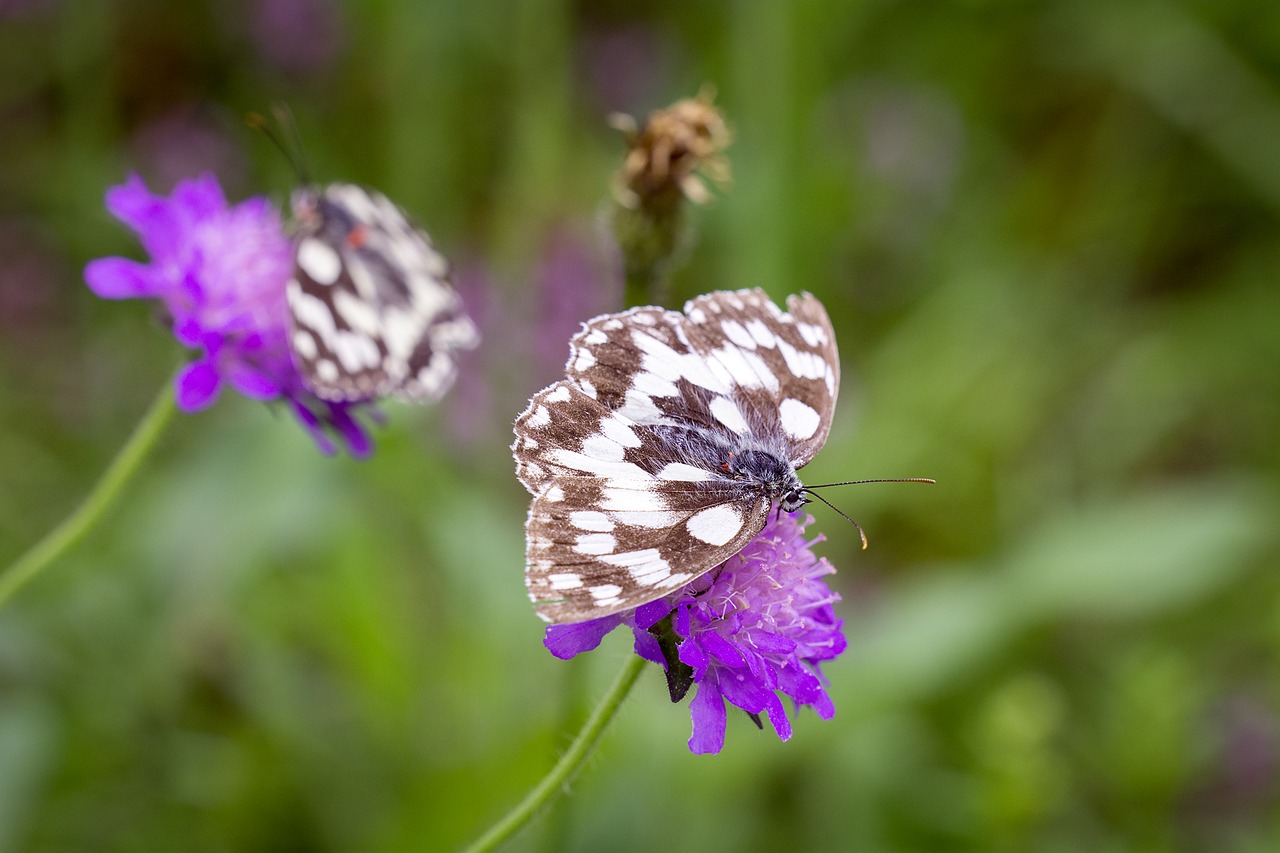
[860,482]
[862,533]
[290,148]
[289,125]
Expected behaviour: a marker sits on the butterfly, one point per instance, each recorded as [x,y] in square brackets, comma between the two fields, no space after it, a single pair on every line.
[372,312]
[669,442]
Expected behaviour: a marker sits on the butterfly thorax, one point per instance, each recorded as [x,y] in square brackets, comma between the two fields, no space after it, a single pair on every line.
[768,472]
[305,203]
[317,216]
[757,467]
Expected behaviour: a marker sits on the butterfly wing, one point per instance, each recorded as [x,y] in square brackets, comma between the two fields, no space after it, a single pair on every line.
[371,306]
[620,517]
[784,365]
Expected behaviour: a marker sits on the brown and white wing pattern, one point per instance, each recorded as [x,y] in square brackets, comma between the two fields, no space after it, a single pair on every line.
[663,451]
[371,307]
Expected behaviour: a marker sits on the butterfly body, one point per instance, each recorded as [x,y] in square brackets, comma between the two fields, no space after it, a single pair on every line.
[371,307]
[663,451]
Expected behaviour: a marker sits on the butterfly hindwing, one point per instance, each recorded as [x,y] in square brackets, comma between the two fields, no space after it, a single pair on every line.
[617,515]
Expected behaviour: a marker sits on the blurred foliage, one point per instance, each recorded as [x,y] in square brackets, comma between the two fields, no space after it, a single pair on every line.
[1046,233]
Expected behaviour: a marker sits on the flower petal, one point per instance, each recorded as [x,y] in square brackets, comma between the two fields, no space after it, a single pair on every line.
[197,385]
[648,615]
[647,647]
[120,278]
[358,442]
[565,641]
[134,205]
[253,383]
[189,332]
[199,197]
[309,420]
[767,642]
[693,655]
[721,649]
[743,691]
[709,720]
[778,717]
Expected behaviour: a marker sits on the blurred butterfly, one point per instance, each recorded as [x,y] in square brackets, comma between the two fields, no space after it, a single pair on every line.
[371,307]
[372,312]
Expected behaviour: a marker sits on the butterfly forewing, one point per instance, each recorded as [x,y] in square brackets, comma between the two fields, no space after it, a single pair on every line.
[785,365]
[371,306]
[661,453]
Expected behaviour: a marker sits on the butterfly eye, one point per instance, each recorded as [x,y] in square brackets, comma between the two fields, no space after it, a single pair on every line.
[792,501]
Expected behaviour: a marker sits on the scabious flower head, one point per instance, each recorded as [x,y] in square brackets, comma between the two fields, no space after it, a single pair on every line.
[220,270]
[664,166]
[755,626]
[666,156]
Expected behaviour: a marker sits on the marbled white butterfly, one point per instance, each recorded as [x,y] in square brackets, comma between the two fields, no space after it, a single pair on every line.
[372,311]
[671,439]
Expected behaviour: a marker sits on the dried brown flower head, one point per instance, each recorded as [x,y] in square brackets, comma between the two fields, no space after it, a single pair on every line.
[665,158]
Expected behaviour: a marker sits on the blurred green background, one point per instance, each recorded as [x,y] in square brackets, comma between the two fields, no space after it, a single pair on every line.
[1047,236]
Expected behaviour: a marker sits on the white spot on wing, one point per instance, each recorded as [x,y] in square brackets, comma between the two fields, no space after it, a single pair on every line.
[799,420]
[621,499]
[618,430]
[650,518]
[595,544]
[761,334]
[727,412]
[684,473]
[806,365]
[310,311]
[606,467]
[646,567]
[715,525]
[813,335]
[564,580]
[304,345]
[735,332]
[586,519]
[357,313]
[539,418]
[603,448]
[318,260]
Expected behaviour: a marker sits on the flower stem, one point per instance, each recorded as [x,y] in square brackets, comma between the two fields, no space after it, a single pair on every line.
[74,527]
[566,768]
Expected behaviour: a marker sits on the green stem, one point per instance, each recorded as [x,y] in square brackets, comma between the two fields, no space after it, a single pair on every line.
[567,767]
[74,527]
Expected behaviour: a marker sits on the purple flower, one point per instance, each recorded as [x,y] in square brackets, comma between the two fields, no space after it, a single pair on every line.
[221,273]
[755,626]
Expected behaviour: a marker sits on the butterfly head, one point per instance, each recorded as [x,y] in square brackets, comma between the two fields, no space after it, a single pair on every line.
[305,202]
